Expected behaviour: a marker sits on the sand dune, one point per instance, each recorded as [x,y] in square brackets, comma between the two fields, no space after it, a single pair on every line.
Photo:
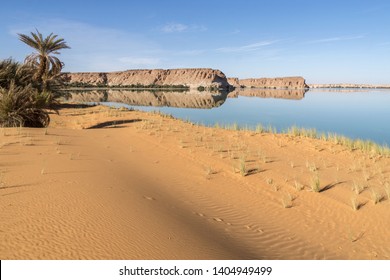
[144,186]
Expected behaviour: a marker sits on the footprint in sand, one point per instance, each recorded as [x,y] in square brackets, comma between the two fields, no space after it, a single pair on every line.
[199,214]
[248,227]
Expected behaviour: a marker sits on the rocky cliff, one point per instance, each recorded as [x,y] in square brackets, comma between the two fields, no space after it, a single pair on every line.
[234,82]
[192,77]
[188,99]
[351,86]
[279,83]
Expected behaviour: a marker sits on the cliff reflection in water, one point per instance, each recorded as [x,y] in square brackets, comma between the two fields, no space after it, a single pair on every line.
[178,99]
[269,93]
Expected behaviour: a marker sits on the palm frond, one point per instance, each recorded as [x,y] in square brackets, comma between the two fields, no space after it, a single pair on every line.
[46,64]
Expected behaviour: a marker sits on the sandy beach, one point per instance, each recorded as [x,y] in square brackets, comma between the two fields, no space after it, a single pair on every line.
[103,183]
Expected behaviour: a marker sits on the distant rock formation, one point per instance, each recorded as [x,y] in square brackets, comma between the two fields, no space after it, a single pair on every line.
[348,86]
[234,82]
[191,77]
[188,99]
[275,83]
[295,94]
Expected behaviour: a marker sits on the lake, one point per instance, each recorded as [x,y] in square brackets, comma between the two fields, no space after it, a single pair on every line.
[355,113]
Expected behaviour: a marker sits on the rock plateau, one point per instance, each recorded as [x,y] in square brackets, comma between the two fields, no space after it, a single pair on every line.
[191,77]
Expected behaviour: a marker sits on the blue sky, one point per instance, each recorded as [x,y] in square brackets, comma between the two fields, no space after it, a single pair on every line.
[323,41]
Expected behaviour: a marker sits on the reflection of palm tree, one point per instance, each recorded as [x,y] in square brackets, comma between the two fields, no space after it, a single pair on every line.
[46,64]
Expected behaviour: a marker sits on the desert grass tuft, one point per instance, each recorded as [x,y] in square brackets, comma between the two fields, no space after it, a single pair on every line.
[269,181]
[209,170]
[366,175]
[316,184]
[298,186]
[355,203]
[376,196]
[242,167]
[2,183]
[387,190]
[287,201]
[358,188]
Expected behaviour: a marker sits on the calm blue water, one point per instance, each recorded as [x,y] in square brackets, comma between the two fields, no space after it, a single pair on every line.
[356,114]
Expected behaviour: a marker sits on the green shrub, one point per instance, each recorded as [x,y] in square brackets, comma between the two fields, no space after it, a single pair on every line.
[24,106]
[201,88]
[12,71]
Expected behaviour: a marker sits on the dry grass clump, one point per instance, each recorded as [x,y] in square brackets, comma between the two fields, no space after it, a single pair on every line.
[376,196]
[358,188]
[287,201]
[387,190]
[315,184]
[298,186]
[242,167]
[355,203]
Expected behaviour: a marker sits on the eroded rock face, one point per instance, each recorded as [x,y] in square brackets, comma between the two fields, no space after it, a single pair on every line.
[278,83]
[188,99]
[192,77]
[234,82]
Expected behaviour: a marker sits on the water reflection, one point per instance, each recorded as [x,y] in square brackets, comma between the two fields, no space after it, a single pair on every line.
[356,114]
[269,93]
[180,99]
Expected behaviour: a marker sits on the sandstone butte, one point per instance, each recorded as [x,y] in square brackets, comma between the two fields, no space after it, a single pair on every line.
[280,83]
[189,77]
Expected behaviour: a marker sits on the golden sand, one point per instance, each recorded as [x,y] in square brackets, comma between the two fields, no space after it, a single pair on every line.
[143,186]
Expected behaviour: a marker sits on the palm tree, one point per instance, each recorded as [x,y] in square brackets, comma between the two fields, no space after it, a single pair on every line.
[48,66]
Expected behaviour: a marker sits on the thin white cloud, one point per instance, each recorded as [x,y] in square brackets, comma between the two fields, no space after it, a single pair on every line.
[190,52]
[174,27]
[246,48]
[336,39]
[180,27]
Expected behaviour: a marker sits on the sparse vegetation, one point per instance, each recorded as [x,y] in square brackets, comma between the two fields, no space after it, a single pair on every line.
[26,90]
[358,188]
[355,203]
[2,183]
[376,196]
[298,186]
[387,190]
[287,201]
[242,166]
[316,184]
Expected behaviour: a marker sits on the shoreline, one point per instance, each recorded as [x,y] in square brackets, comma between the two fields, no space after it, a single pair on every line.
[146,186]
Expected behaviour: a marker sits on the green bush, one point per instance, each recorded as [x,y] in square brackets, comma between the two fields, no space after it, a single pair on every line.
[201,88]
[11,70]
[24,106]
